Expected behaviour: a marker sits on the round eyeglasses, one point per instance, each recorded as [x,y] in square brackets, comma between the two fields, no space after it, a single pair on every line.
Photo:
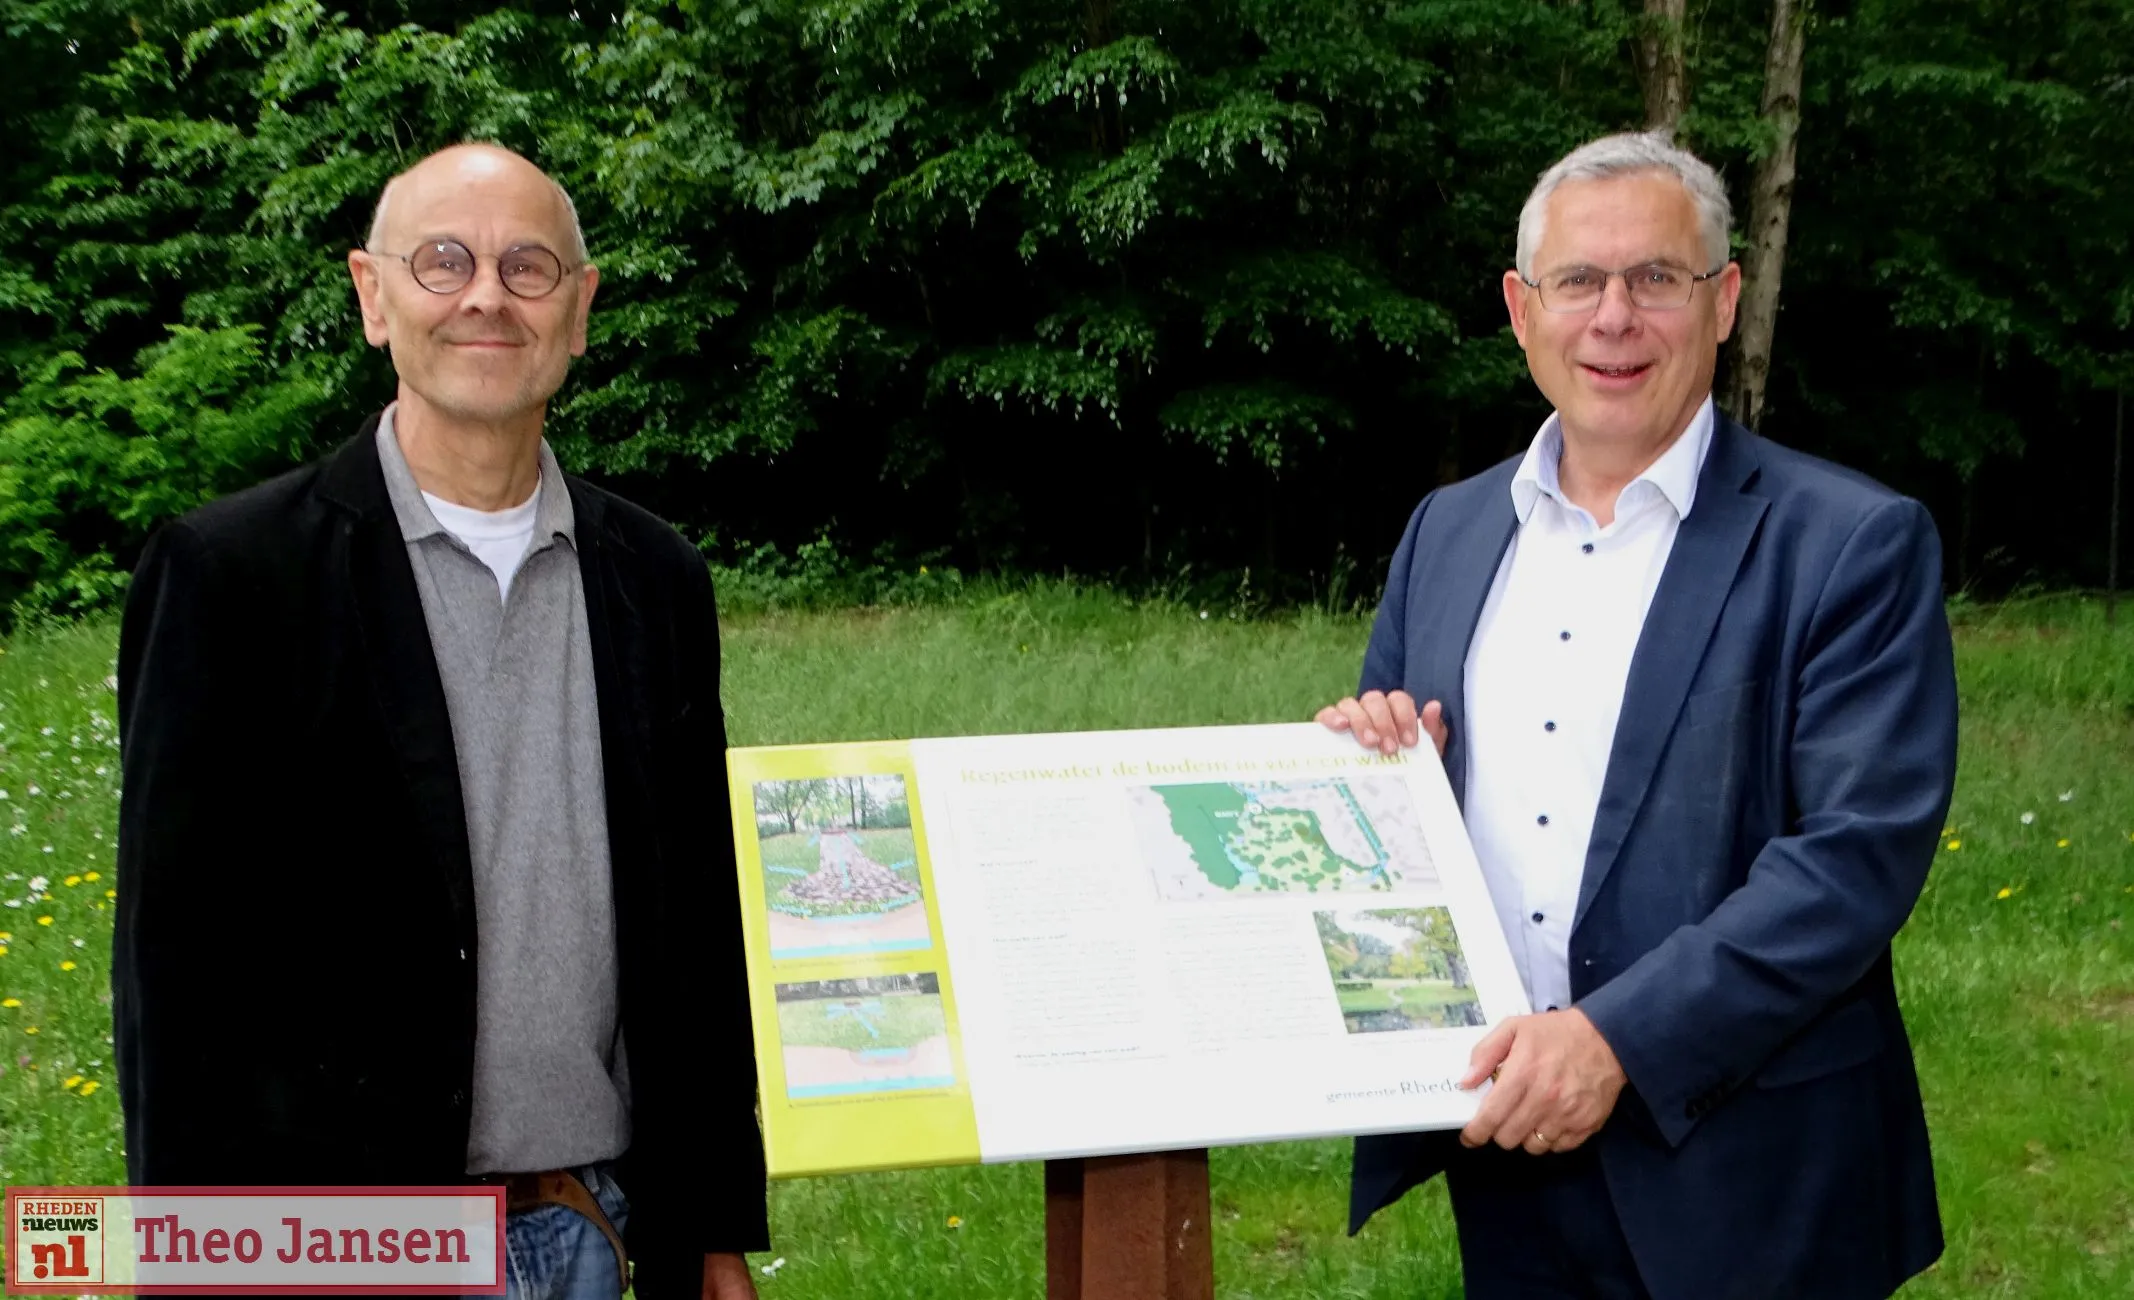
[1655,286]
[448,266]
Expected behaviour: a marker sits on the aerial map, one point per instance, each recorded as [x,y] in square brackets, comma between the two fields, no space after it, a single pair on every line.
[1356,834]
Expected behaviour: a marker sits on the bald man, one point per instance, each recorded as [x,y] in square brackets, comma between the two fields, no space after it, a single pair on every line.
[425,876]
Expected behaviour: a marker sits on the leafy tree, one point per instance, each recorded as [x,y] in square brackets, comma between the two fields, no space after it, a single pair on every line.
[1126,287]
[788,801]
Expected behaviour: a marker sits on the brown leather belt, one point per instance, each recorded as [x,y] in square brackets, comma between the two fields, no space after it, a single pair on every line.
[561,1187]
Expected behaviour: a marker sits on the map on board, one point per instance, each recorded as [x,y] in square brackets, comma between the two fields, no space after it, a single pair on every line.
[1356,834]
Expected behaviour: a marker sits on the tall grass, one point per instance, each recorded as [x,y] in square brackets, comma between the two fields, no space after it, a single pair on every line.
[2017,970]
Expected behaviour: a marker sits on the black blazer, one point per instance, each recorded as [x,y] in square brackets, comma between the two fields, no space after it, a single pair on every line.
[294,966]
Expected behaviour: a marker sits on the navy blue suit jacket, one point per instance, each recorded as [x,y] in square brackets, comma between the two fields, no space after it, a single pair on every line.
[1772,802]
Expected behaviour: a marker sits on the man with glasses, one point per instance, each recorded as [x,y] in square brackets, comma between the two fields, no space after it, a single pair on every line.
[425,876]
[1695,692]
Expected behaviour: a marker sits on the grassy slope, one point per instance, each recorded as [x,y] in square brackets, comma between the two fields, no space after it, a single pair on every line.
[2022,1007]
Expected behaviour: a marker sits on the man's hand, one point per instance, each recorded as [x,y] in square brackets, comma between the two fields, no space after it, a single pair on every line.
[726,1278]
[1557,1083]
[1386,722]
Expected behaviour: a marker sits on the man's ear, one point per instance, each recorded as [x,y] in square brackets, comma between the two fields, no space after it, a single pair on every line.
[1515,301]
[588,283]
[1729,298]
[370,296]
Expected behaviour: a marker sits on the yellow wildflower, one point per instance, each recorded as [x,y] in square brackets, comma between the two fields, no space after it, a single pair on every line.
[2063,844]
[31,1030]
[94,875]
[87,1088]
[111,893]
[73,1081]
[71,881]
[2005,892]
[66,965]
[1955,845]
[5,936]
[10,1003]
[955,1220]
[44,920]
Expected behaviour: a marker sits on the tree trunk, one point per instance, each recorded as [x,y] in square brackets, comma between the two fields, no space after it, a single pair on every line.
[2119,470]
[1660,64]
[1770,212]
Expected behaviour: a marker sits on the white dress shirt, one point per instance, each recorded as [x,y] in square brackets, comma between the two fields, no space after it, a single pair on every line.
[1545,678]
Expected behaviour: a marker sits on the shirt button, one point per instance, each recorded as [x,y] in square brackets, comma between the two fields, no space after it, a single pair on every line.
[1587,549]
[1542,820]
[1563,636]
[1538,919]
[1548,726]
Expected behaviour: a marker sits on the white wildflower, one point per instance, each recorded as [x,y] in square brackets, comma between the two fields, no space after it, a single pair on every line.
[768,1269]
[2067,796]
[38,884]
[2028,818]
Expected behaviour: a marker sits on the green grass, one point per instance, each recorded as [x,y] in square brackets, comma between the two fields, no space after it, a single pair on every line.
[899,1020]
[1422,998]
[2021,1007]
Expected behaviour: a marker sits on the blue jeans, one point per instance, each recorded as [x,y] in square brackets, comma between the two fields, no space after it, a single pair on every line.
[552,1252]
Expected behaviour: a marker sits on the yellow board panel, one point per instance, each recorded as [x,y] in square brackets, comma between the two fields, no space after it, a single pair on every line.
[859,1054]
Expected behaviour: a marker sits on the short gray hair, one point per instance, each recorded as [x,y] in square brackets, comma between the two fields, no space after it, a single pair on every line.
[577,250]
[1623,155]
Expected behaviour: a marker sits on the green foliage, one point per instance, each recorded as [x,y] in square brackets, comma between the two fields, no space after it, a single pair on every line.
[963,276]
[817,576]
[96,460]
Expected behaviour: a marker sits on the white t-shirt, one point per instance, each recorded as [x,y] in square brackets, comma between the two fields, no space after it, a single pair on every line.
[498,538]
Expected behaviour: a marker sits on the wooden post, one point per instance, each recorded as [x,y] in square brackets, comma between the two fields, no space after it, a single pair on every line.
[1128,1228]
